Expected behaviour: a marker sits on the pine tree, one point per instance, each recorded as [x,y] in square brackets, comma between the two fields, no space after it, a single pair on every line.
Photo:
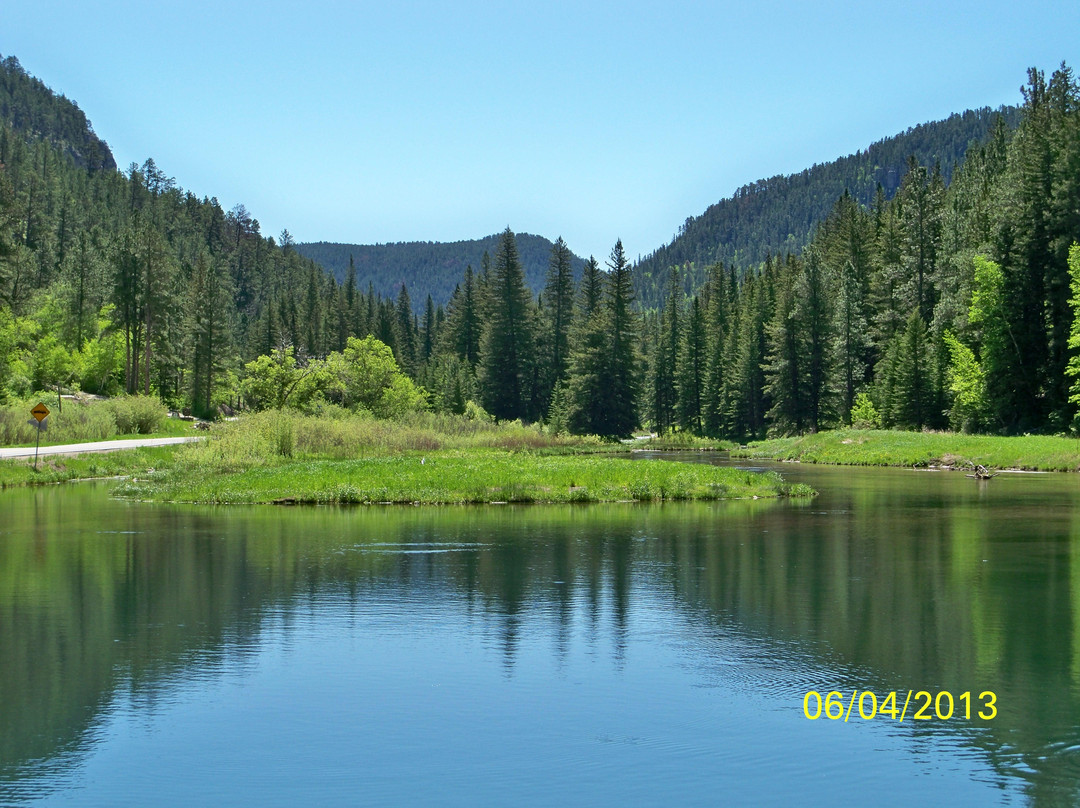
[591,294]
[506,346]
[801,335]
[558,319]
[462,328]
[405,333]
[211,295]
[621,416]
[665,361]
[430,337]
[691,369]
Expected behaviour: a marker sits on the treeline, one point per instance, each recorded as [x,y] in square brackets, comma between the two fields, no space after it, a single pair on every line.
[946,306]
[427,267]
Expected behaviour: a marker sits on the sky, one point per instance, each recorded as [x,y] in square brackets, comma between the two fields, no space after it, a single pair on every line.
[367,123]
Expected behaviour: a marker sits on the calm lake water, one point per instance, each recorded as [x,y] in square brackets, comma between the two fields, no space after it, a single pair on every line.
[593,655]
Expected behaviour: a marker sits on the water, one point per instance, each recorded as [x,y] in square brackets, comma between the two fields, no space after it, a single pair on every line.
[593,655]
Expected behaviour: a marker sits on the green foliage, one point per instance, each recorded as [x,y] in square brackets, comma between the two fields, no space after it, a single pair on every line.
[271,382]
[137,415]
[864,415]
[474,412]
[429,474]
[1072,370]
[967,384]
[366,376]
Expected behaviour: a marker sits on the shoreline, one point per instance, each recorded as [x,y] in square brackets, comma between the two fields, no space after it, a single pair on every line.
[936,451]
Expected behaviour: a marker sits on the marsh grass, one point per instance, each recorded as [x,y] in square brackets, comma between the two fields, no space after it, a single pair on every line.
[268,437]
[337,457]
[470,475]
[867,447]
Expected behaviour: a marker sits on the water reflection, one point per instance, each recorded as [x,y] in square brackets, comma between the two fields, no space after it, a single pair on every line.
[117,612]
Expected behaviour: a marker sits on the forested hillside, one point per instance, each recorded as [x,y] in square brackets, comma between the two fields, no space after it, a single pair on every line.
[942,307]
[122,281]
[948,304]
[428,267]
[30,109]
[779,215]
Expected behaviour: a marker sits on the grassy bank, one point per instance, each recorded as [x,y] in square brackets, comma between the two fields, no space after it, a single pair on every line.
[458,476]
[856,447]
[338,457]
[425,458]
[58,469]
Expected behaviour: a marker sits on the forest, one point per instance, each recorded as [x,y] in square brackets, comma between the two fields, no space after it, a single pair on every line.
[946,301]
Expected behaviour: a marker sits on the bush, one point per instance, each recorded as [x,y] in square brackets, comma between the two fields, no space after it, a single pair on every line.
[78,422]
[137,415]
[864,414]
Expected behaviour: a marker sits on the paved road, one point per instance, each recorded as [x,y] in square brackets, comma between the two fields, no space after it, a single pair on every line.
[99,446]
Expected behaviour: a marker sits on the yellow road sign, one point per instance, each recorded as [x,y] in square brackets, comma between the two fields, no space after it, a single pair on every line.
[40,412]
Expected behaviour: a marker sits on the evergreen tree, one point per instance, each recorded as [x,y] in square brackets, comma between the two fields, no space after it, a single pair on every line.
[691,369]
[620,416]
[429,337]
[591,294]
[506,346]
[405,333]
[211,294]
[463,321]
[800,338]
[666,356]
[558,319]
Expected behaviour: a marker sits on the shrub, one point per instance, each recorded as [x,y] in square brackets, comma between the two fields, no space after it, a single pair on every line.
[864,415]
[137,415]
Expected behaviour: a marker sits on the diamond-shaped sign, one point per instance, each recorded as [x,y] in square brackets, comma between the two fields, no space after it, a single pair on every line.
[41,412]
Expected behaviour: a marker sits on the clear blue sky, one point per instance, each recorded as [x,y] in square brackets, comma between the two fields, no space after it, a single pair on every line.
[438,121]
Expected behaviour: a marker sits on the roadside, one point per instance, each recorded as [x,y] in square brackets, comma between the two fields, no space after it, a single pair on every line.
[95,446]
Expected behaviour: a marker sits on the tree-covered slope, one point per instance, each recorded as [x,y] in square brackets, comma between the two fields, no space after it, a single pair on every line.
[779,215]
[428,267]
[32,110]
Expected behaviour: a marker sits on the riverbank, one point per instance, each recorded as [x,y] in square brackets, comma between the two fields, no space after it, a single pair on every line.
[944,450]
[462,476]
[60,469]
[290,458]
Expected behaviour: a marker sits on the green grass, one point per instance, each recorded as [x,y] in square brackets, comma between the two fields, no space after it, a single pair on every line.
[458,476]
[86,421]
[338,457]
[858,447]
[58,469]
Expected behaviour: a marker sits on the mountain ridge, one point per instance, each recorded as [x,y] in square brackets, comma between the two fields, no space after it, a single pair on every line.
[780,214]
[428,267]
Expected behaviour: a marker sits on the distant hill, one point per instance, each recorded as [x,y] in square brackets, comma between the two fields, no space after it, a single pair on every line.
[428,267]
[780,214]
[36,112]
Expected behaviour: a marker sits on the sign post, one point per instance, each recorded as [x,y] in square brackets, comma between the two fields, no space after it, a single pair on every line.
[40,413]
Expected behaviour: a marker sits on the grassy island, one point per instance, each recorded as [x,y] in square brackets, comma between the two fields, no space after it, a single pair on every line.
[288,458]
[946,450]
